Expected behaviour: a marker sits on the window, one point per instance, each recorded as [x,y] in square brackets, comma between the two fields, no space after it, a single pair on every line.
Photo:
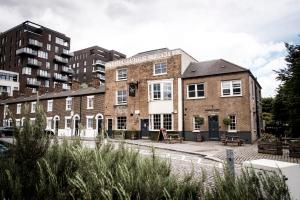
[49,105]
[49,123]
[56,49]
[231,88]
[195,91]
[122,74]
[121,123]
[47,83]
[89,122]
[69,103]
[121,97]
[197,123]
[160,68]
[48,65]
[19,106]
[49,37]
[160,91]
[33,107]
[26,70]
[90,102]
[42,54]
[56,67]
[32,121]
[49,47]
[18,123]
[68,122]
[84,70]
[59,41]
[161,121]
[232,125]
[84,63]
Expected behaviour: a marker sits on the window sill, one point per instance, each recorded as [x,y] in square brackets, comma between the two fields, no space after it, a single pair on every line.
[121,80]
[120,105]
[160,74]
[90,108]
[191,98]
[232,131]
[160,100]
[240,95]
[196,131]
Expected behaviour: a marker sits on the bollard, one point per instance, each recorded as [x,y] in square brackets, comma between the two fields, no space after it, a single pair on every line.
[230,160]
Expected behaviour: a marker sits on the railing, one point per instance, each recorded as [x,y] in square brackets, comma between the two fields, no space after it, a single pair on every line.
[99,69]
[67,52]
[35,43]
[61,59]
[100,76]
[99,62]
[42,73]
[66,87]
[60,77]
[67,70]
[26,50]
[35,82]
[34,62]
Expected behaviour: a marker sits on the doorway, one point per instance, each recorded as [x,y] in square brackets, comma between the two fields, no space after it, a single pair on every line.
[213,127]
[144,128]
[99,119]
[109,127]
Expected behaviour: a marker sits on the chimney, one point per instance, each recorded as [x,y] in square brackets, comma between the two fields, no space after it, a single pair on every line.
[95,83]
[75,85]
[58,87]
[16,93]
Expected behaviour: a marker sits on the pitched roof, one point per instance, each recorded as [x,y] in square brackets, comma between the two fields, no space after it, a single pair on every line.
[53,95]
[212,67]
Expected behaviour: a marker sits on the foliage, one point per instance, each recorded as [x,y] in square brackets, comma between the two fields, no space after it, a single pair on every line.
[266,137]
[199,120]
[287,101]
[267,117]
[267,104]
[226,121]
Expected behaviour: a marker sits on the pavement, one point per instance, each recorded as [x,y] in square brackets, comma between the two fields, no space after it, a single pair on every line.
[211,150]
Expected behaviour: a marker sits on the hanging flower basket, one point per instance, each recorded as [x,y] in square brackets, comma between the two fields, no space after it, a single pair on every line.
[226,121]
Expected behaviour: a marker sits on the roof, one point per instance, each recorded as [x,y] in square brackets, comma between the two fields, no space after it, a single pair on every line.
[53,95]
[150,52]
[212,67]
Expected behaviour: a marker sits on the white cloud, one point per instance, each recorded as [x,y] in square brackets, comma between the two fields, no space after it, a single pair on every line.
[248,33]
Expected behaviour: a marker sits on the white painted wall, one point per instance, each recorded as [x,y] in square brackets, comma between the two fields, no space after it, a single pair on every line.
[158,107]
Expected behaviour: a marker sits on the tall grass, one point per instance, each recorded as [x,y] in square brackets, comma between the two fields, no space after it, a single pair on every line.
[70,171]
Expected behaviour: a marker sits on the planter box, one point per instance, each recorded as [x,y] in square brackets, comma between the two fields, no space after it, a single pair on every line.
[274,148]
[294,150]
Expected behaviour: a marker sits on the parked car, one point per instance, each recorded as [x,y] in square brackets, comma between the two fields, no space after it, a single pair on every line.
[6,131]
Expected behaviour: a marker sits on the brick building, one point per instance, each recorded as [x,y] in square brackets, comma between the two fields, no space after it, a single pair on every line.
[77,111]
[38,54]
[168,88]
[218,89]
[90,62]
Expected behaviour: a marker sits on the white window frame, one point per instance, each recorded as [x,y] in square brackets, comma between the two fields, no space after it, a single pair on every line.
[18,122]
[87,102]
[125,123]
[87,122]
[161,121]
[19,108]
[122,78]
[47,123]
[162,92]
[196,91]
[48,107]
[235,123]
[159,65]
[66,119]
[231,82]
[32,120]
[33,110]
[194,125]
[117,95]
[69,104]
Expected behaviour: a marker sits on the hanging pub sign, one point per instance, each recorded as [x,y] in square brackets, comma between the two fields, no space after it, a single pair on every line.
[132,89]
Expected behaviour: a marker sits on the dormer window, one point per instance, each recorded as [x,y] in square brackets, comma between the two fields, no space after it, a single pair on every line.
[160,68]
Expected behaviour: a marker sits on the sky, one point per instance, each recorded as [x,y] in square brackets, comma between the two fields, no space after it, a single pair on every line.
[250,33]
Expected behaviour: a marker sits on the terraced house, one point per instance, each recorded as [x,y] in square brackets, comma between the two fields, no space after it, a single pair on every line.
[169,89]
[74,112]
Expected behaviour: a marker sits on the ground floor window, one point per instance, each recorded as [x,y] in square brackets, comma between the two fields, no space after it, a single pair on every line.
[68,122]
[232,125]
[161,121]
[49,123]
[197,122]
[121,123]
[89,122]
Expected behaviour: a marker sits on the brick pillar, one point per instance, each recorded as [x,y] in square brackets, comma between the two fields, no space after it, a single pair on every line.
[75,85]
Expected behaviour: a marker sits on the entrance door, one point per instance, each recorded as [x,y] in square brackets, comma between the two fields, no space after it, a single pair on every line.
[144,128]
[109,127]
[99,123]
[76,125]
[213,127]
[56,127]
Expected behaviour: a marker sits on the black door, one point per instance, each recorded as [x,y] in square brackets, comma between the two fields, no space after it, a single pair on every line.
[76,126]
[144,128]
[56,127]
[213,127]
[109,127]
[99,121]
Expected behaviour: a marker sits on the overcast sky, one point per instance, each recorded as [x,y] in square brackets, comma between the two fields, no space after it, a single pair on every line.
[249,33]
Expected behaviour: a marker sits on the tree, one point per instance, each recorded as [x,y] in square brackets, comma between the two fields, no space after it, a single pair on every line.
[287,100]
[267,104]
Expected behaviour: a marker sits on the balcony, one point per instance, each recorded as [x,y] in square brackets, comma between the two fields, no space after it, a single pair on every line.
[99,69]
[67,53]
[65,86]
[43,74]
[60,59]
[35,43]
[34,62]
[67,70]
[60,77]
[33,82]
[101,77]
[99,62]
[26,51]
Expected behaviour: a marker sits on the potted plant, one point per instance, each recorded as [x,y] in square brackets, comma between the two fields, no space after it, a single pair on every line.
[294,148]
[269,144]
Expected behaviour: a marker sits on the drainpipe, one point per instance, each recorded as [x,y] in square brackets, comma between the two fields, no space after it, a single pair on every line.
[183,110]
[80,109]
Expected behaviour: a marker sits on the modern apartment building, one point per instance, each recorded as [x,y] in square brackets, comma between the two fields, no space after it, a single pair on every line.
[90,63]
[9,81]
[38,54]
[68,113]
[168,88]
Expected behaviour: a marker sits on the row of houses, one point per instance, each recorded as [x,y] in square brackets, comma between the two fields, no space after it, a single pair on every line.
[151,90]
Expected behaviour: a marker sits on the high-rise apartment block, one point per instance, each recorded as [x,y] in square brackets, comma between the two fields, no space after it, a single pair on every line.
[89,63]
[38,54]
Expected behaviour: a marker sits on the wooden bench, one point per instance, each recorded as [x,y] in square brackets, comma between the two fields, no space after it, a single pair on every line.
[232,140]
[175,137]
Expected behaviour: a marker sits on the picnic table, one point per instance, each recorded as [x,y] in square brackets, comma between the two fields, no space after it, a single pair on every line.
[232,139]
